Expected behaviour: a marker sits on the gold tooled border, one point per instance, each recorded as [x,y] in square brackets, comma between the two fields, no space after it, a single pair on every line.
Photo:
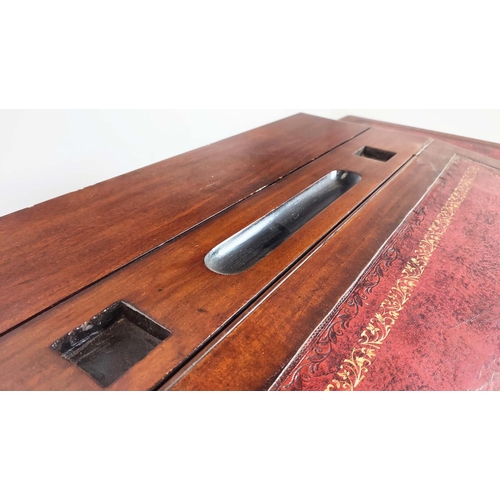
[353,369]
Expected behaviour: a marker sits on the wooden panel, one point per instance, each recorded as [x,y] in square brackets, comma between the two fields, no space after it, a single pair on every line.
[173,287]
[490,149]
[252,352]
[56,248]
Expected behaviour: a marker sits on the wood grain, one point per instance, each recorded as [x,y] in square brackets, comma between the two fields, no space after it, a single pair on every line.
[172,285]
[252,352]
[58,247]
[490,149]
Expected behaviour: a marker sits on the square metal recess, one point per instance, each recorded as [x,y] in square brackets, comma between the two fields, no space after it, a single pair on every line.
[375,154]
[111,342]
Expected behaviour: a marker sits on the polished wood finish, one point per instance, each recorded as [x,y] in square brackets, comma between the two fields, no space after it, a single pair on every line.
[490,149]
[252,352]
[142,238]
[53,250]
[172,285]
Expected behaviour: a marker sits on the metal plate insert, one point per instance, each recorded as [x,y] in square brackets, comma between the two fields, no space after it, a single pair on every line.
[375,154]
[111,342]
[247,247]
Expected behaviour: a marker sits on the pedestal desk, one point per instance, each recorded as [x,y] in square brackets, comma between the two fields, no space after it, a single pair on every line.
[307,254]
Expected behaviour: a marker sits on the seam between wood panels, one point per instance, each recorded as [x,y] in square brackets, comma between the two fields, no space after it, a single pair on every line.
[238,317]
[408,129]
[397,231]
[173,239]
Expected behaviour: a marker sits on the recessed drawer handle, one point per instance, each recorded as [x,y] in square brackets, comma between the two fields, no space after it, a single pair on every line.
[247,247]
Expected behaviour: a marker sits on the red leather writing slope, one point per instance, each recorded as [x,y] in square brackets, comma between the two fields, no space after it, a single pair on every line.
[425,313]
[308,254]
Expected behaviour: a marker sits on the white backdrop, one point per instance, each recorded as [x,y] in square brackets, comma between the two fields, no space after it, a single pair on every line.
[46,153]
[222,54]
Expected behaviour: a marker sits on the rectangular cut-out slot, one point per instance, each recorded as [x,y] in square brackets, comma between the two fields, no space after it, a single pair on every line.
[247,247]
[111,342]
[375,154]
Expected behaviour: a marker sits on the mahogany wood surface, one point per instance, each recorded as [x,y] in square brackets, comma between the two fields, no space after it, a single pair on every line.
[172,285]
[142,237]
[490,149]
[53,250]
[252,352]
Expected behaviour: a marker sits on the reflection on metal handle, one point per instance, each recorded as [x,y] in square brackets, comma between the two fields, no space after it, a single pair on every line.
[247,247]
